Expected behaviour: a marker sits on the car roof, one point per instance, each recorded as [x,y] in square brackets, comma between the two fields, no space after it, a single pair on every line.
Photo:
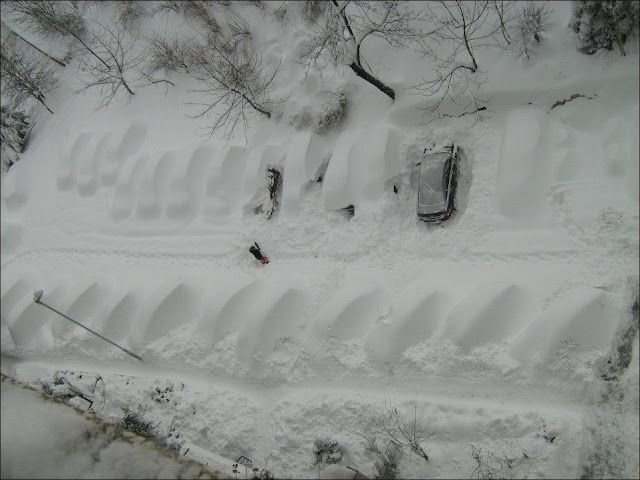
[430,191]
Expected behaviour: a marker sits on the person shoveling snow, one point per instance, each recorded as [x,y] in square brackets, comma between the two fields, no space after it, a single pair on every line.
[255,249]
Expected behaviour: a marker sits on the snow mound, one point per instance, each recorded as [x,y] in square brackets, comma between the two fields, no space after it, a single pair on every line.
[412,324]
[582,319]
[15,186]
[154,186]
[88,298]
[350,312]
[244,306]
[186,185]
[130,143]
[87,177]
[491,314]
[123,198]
[260,335]
[224,182]
[66,171]
[361,162]
[524,167]
[31,326]
[11,235]
[119,318]
[225,287]
[171,304]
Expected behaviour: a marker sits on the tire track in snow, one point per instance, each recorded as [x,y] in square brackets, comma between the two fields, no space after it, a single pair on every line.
[173,257]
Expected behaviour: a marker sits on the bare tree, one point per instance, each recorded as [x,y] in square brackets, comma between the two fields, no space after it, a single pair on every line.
[51,19]
[344,26]
[116,64]
[169,53]
[201,11]
[503,10]
[24,76]
[233,77]
[34,46]
[405,432]
[462,28]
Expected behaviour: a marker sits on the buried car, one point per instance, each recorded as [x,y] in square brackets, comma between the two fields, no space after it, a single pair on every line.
[437,184]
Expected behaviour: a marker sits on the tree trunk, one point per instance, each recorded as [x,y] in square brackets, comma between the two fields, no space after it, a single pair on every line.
[362,73]
[41,100]
[124,84]
[62,64]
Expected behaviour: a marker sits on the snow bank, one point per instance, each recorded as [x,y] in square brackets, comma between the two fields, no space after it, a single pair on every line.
[523,167]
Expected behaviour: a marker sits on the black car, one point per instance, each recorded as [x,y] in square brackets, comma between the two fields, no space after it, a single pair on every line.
[437,184]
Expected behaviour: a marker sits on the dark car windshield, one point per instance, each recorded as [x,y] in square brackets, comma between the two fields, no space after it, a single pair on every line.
[431,193]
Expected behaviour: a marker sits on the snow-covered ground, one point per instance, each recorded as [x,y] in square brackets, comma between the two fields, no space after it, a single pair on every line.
[497,326]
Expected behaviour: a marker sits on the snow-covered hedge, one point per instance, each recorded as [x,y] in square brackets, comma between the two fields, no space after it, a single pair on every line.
[603,24]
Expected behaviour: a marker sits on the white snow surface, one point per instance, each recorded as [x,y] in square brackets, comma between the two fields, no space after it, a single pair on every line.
[495,326]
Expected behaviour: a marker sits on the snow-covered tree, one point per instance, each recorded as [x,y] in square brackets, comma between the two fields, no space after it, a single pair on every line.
[533,20]
[25,76]
[605,23]
[344,26]
[14,133]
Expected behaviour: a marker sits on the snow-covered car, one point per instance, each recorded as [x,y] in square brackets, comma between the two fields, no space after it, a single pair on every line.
[437,184]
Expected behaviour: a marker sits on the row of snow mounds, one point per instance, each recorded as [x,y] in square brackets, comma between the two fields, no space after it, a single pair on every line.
[181,184]
[262,315]
[93,159]
[582,320]
[361,161]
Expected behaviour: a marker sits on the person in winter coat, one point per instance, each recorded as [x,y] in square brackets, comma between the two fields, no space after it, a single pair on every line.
[255,250]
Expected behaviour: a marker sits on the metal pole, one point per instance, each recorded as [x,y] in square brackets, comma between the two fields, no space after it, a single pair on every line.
[38,295]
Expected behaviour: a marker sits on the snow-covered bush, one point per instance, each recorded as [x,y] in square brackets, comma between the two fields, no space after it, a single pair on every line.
[605,23]
[135,422]
[391,435]
[326,452]
[130,13]
[327,113]
[489,465]
[14,133]
[386,459]
[280,14]
[534,20]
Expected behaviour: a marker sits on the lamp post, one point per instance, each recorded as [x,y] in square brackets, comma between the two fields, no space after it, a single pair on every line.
[37,298]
